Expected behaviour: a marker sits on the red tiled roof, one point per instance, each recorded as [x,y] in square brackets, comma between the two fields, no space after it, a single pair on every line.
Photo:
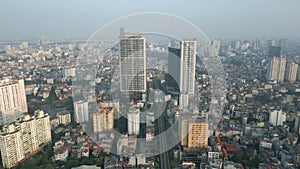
[62,150]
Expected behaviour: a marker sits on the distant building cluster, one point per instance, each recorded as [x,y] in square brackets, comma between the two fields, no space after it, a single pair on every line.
[280,69]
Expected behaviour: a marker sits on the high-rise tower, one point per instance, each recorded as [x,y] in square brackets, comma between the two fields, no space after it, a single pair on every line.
[12,100]
[291,72]
[182,67]
[187,71]
[133,63]
[134,121]
[282,66]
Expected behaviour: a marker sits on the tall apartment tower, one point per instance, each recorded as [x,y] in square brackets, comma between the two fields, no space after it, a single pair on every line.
[187,67]
[12,100]
[282,66]
[133,63]
[198,135]
[134,122]
[298,74]
[187,71]
[273,69]
[194,133]
[184,130]
[23,138]
[81,111]
[182,67]
[291,72]
[103,119]
[42,121]
[29,129]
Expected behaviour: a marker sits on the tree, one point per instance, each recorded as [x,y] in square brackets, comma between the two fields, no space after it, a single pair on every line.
[48,166]
[52,95]
[72,163]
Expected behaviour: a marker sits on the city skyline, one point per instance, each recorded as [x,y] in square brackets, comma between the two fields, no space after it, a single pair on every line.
[150,84]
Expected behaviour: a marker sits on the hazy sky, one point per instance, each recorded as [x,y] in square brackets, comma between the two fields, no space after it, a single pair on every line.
[79,19]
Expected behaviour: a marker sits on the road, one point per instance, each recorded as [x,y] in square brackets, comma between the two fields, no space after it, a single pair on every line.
[159,107]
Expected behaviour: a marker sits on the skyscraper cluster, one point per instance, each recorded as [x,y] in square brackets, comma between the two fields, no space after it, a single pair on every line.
[276,70]
[280,69]
[181,75]
[24,137]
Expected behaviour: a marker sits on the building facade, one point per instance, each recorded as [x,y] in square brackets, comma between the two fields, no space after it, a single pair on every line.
[81,111]
[291,73]
[12,100]
[277,117]
[133,63]
[134,122]
[64,117]
[182,67]
[194,134]
[198,134]
[103,119]
[282,66]
[23,138]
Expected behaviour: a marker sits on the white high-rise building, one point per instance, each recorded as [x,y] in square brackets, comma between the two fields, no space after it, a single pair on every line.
[281,69]
[23,138]
[11,146]
[134,122]
[291,72]
[272,74]
[81,111]
[12,100]
[182,67]
[133,63]
[277,117]
[187,71]
[44,127]
[29,129]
